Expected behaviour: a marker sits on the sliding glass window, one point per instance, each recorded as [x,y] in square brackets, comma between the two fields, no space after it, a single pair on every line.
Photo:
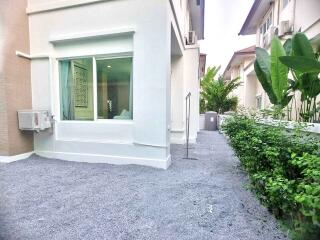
[113,88]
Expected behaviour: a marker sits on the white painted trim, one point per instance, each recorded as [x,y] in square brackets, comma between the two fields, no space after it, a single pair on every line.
[195,46]
[95,89]
[93,34]
[61,4]
[149,145]
[9,159]
[97,158]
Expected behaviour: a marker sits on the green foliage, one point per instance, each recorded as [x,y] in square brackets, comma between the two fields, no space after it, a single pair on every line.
[284,169]
[279,71]
[301,46]
[302,64]
[262,69]
[305,67]
[272,71]
[272,74]
[215,92]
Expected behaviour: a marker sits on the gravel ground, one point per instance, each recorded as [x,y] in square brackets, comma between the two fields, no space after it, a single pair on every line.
[194,199]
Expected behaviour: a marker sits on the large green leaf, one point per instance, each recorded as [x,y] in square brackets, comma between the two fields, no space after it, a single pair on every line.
[302,64]
[301,46]
[288,46]
[263,60]
[279,71]
[265,81]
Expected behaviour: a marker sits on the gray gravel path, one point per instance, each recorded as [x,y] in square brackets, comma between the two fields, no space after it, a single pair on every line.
[204,199]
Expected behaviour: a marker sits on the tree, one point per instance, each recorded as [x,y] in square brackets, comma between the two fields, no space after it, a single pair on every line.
[215,92]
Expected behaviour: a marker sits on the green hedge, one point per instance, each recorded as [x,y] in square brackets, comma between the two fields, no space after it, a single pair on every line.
[284,169]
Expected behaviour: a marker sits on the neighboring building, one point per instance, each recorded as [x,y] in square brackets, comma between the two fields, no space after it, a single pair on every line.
[250,93]
[15,83]
[202,64]
[268,18]
[114,75]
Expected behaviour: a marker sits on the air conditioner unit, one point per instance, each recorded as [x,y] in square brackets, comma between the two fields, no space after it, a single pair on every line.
[34,120]
[191,39]
[285,27]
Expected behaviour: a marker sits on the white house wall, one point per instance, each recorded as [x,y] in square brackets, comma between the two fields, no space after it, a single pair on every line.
[177,100]
[307,14]
[185,79]
[191,76]
[144,140]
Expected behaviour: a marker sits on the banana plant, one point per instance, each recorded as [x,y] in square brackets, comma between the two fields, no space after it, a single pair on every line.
[305,68]
[273,74]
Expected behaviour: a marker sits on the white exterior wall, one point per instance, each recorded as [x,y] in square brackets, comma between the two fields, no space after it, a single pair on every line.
[144,140]
[96,28]
[192,85]
[184,77]
[307,17]
[177,100]
[183,15]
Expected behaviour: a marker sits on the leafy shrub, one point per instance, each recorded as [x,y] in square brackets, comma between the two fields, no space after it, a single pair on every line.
[215,92]
[284,170]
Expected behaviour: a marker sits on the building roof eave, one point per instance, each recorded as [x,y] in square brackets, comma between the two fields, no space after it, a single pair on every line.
[257,12]
[241,53]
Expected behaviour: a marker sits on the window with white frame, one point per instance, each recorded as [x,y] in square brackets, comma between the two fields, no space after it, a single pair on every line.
[259,102]
[96,88]
[265,26]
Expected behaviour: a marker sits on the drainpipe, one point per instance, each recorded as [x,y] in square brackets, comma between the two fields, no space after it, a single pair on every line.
[294,15]
[278,18]
[30,57]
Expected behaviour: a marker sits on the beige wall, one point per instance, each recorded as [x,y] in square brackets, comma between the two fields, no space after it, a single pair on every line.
[307,15]
[302,14]
[15,85]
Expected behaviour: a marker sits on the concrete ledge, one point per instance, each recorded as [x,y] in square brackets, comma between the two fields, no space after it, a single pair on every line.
[129,30]
[116,160]
[56,5]
[9,159]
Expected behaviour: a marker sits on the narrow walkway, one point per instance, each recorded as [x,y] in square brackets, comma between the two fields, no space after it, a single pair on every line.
[203,199]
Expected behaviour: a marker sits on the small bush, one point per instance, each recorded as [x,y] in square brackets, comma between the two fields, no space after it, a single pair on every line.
[284,170]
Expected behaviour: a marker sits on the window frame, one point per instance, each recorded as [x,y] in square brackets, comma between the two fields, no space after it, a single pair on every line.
[259,100]
[265,23]
[95,86]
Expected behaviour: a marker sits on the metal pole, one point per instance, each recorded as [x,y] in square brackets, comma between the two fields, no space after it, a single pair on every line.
[187,122]
[188,107]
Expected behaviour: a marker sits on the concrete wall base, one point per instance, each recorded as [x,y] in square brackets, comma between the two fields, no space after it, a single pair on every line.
[9,159]
[116,160]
